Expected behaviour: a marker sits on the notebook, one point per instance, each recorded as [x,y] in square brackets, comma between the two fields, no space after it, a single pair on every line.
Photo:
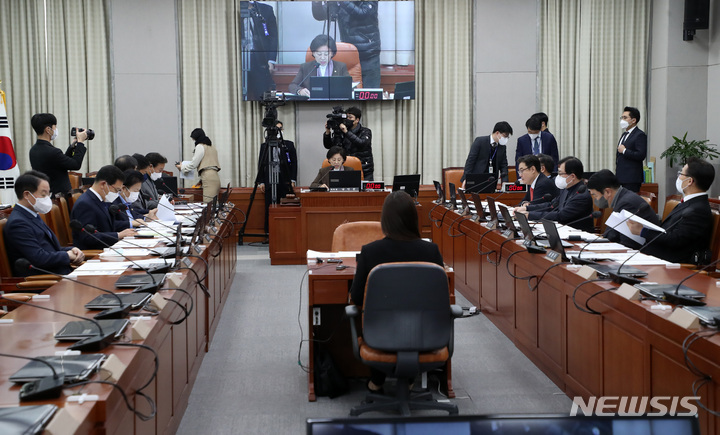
[105,301]
[25,420]
[140,279]
[657,290]
[707,315]
[78,330]
[75,368]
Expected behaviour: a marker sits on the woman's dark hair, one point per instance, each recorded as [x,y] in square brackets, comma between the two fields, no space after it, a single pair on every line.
[399,220]
[337,150]
[198,135]
[321,40]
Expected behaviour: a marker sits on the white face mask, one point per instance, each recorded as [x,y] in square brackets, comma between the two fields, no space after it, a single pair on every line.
[561,182]
[42,205]
[110,196]
[503,140]
[133,197]
[624,124]
[155,176]
[55,134]
[679,186]
[533,136]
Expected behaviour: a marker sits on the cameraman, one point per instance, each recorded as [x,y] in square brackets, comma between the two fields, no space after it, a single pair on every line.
[356,140]
[51,161]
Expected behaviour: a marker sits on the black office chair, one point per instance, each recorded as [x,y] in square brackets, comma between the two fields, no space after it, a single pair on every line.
[407,330]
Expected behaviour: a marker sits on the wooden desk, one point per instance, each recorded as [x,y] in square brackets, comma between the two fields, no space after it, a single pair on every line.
[328,290]
[389,75]
[180,348]
[627,350]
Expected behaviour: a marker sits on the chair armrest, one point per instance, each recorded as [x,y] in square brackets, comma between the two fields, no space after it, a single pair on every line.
[352,312]
[22,297]
[456,311]
[37,285]
[43,278]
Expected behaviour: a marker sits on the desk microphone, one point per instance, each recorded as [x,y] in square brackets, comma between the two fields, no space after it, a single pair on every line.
[119,312]
[95,343]
[481,186]
[678,299]
[619,278]
[45,388]
[545,198]
[168,187]
[89,229]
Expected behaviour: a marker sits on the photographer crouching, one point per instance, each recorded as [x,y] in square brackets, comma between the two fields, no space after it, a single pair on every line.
[343,129]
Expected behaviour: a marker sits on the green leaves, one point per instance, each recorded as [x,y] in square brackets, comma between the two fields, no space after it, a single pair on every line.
[681,150]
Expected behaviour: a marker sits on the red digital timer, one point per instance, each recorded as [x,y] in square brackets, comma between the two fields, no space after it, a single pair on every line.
[512,187]
[373,185]
[360,94]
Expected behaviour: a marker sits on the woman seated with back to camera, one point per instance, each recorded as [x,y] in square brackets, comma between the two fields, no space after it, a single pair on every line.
[402,243]
[336,157]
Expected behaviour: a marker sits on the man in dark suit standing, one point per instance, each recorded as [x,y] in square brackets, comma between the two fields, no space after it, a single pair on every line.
[689,225]
[536,142]
[572,204]
[28,237]
[45,158]
[92,208]
[286,156]
[631,151]
[528,170]
[261,46]
[488,154]
[607,192]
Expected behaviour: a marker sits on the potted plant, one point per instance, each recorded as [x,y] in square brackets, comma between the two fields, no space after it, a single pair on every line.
[681,150]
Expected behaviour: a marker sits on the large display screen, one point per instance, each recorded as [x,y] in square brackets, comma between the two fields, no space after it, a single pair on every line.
[328,50]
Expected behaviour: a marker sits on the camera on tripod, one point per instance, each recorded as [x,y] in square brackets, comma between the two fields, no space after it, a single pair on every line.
[90,133]
[271,101]
[337,117]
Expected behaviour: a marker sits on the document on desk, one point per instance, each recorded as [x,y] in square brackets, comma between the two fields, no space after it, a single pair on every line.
[76,273]
[89,266]
[340,254]
[604,247]
[637,260]
[134,243]
[618,222]
[124,252]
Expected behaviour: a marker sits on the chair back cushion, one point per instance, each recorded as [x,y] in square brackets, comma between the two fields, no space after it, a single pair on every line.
[452,175]
[407,307]
[352,236]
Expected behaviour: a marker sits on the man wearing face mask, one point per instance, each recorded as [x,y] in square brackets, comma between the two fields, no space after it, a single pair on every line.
[572,204]
[51,161]
[488,154]
[92,208]
[355,140]
[606,191]
[129,215]
[689,225]
[286,156]
[631,151]
[536,142]
[28,237]
[149,189]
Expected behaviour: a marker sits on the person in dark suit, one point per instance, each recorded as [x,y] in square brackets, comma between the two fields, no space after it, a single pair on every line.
[262,46]
[127,214]
[402,242]
[28,237]
[631,151]
[572,204]
[606,191]
[323,49]
[489,154]
[536,142]
[336,157]
[546,166]
[92,208]
[354,138]
[528,170]
[287,166]
[51,161]
[689,225]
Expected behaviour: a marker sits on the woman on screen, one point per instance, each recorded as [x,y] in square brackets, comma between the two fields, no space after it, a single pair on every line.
[323,49]
[336,157]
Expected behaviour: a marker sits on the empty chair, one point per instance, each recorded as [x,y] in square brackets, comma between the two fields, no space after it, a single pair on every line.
[351,236]
[407,329]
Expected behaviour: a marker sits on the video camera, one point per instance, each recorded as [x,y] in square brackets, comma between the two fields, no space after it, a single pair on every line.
[271,101]
[337,117]
[90,133]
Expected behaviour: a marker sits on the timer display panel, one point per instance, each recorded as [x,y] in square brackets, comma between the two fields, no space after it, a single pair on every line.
[367,94]
[512,187]
[373,185]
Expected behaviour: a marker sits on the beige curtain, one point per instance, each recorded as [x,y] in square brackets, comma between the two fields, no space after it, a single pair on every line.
[593,62]
[69,77]
[408,137]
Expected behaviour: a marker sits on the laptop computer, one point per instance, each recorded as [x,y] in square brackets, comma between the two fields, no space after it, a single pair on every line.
[344,181]
[331,88]
[604,270]
[408,183]
[453,197]
[553,238]
[140,279]
[707,315]
[30,419]
[404,91]
[81,329]
[479,183]
[509,224]
[466,208]
[492,210]
[439,190]
[658,290]
[75,368]
[479,209]
[106,301]
[525,227]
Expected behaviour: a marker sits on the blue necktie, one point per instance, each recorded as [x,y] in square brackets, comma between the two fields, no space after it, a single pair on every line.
[536,146]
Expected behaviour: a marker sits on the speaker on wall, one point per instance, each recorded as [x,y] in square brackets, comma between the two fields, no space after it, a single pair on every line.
[697,17]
